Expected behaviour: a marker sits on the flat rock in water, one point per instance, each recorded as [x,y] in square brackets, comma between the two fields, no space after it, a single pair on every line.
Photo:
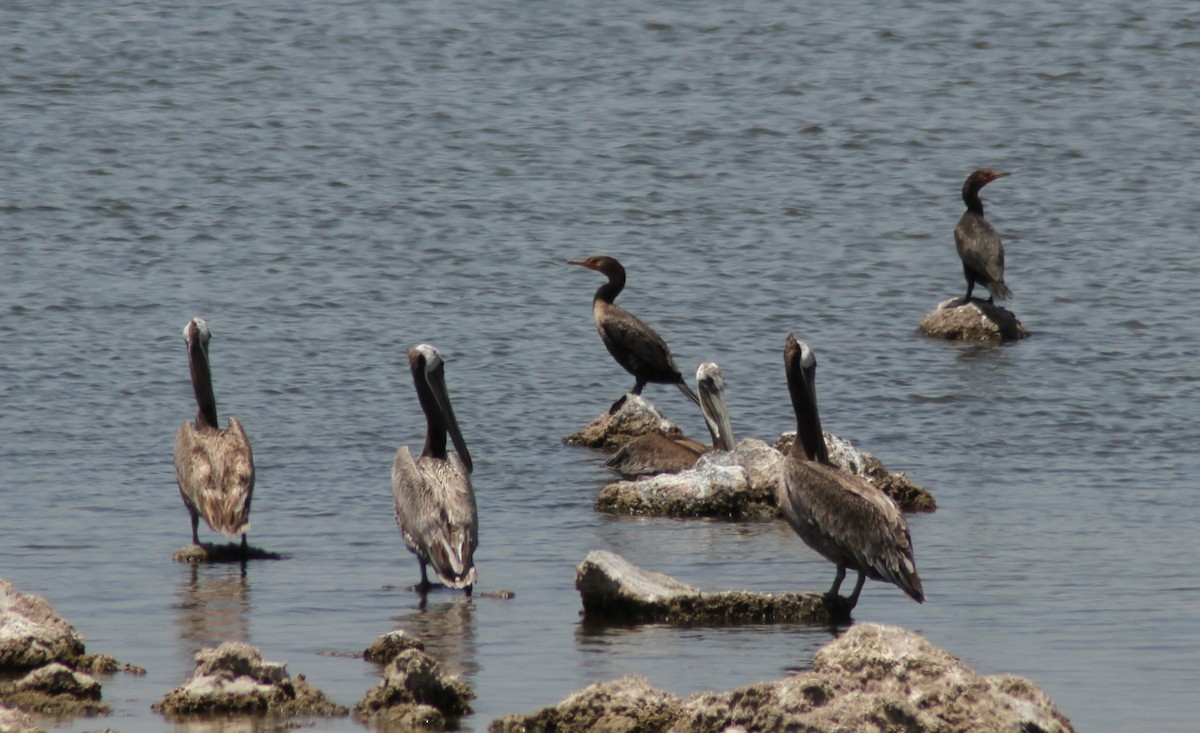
[614,589]
[227,552]
[233,678]
[737,484]
[977,320]
[15,721]
[909,497]
[636,416]
[872,678]
[416,693]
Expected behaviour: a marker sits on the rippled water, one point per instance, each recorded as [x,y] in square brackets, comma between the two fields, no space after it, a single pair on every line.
[331,183]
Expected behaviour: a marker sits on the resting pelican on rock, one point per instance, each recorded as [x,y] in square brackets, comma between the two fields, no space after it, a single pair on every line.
[978,242]
[634,345]
[214,467]
[850,522]
[434,501]
[656,453]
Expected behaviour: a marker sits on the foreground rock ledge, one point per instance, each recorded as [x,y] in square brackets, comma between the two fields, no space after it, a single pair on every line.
[636,416]
[233,678]
[977,320]
[15,721]
[614,589]
[872,678]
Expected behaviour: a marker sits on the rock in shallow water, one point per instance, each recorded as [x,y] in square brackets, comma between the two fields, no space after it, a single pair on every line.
[415,691]
[872,678]
[613,589]
[977,320]
[233,678]
[31,634]
[636,416]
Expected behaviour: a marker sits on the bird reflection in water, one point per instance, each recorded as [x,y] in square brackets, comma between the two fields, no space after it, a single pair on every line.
[213,605]
[447,629]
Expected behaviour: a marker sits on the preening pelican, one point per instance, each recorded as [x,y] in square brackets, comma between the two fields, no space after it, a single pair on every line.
[634,345]
[214,467]
[435,504]
[978,242]
[656,453]
[846,519]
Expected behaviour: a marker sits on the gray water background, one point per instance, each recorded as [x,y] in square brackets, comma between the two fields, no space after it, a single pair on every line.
[331,183]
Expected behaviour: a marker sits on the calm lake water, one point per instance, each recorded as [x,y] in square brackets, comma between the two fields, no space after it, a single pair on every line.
[331,183]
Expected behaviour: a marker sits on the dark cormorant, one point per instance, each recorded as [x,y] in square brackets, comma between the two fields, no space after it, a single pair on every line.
[632,343]
[842,516]
[214,467]
[656,453]
[978,243]
[434,501]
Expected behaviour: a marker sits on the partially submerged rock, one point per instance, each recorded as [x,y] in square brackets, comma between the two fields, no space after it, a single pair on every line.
[636,416]
[227,552]
[387,647]
[54,689]
[621,706]
[32,635]
[233,678]
[15,721]
[737,484]
[415,691]
[872,678]
[977,320]
[909,497]
[612,588]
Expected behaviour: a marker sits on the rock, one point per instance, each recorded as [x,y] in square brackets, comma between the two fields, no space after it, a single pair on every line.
[977,320]
[636,416]
[612,588]
[55,689]
[388,647]
[233,678]
[880,678]
[15,721]
[626,705]
[909,497]
[228,552]
[737,484]
[872,678]
[31,634]
[414,689]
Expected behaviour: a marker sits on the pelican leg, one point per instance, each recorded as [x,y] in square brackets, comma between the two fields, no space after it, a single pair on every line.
[245,547]
[468,589]
[837,581]
[852,601]
[195,527]
[424,586]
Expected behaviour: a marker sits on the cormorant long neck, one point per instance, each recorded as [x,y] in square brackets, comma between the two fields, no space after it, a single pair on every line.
[970,194]
[609,291]
[801,368]
[206,401]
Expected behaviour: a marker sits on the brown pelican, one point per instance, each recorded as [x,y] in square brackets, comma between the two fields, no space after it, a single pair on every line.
[214,467]
[978,242]
[634,345]
[435,504]
[843,517]
[656,453]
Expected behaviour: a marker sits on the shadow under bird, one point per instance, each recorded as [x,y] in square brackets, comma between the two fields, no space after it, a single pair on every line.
[634,345]
[978,242]
[214,466]
[434,500]
[656,453]
[845,518]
